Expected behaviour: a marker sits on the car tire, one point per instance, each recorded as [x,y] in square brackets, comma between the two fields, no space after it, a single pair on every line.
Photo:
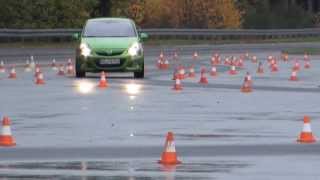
[140,74]
[79,72]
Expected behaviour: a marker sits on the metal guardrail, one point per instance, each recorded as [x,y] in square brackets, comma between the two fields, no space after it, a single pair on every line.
[234,32]
[23,34]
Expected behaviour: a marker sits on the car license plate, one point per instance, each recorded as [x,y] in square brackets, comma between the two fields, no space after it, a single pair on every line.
[109,61]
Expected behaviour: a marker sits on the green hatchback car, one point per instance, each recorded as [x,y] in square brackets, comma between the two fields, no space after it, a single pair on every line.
[110,45]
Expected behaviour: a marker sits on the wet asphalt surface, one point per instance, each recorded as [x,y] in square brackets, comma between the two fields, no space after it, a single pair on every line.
[220,133]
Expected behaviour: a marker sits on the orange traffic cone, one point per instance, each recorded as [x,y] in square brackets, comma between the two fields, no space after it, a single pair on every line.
[307,64]
[248,76]
[39,79]
[61,70]
[37,64]
[213,71]
[296,66]
[70,70]
[161,56]
[240,63]
[54,65]
[306,135]
[37,71]
[2,68]
[232,70]
[293,76]
[272,62]
[246,87]
[254,59]
[181,73]
[6,138]
[69,63]
[247,55]
[270,58]
[233,61]
[192,73]
[103,81]
[274,67]
[226,61]
[195,55]
[203,78]
[165,64]
[260,68]
[175,55]
[159,62]
[286,57]
[215,59]
[13,74]
[161,65]
[177,85]
[305,57]
[169,155]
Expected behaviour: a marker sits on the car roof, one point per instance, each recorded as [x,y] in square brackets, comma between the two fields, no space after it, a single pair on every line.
[110,19]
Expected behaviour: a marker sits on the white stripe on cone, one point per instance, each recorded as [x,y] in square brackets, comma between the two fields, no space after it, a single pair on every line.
[171,147]
[294,73]
[13,71]
[6,131]
[306,127]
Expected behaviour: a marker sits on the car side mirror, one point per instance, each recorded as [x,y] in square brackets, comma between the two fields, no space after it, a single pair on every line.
[76,36]
[143,36]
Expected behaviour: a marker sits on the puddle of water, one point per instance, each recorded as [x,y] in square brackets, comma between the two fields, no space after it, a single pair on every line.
[116,170]
[12,177]
[44,115]
[209,136]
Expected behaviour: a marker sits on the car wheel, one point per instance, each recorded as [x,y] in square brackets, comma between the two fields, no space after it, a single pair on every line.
[79,72]
[140,74]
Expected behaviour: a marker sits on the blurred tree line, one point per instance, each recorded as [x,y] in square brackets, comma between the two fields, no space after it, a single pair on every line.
[259,14]
[154,13]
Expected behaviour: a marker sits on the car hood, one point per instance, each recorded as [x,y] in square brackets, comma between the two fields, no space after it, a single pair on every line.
[109,42]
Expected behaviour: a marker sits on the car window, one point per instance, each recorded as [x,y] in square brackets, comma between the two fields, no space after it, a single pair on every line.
[109,28]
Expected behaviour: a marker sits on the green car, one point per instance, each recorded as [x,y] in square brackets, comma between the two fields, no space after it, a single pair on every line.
[110,45]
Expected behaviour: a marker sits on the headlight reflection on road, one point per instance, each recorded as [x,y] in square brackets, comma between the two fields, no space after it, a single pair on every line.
[133,89]
[132,97]
[84,86]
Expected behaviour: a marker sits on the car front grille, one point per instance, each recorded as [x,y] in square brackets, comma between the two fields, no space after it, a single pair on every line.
[109,52]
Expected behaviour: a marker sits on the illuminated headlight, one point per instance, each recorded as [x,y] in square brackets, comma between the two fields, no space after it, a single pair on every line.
[135,49]
[85,50]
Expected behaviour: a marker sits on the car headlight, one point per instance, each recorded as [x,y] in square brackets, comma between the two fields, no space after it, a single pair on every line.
[135,49]
[85,50]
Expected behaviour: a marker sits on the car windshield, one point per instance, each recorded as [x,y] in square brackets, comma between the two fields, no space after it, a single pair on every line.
[109,28]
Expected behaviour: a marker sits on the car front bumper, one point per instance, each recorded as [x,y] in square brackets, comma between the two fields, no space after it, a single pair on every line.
[127,64]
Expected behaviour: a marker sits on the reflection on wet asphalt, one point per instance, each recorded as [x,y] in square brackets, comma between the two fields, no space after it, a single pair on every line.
[117,170]
[212,121]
